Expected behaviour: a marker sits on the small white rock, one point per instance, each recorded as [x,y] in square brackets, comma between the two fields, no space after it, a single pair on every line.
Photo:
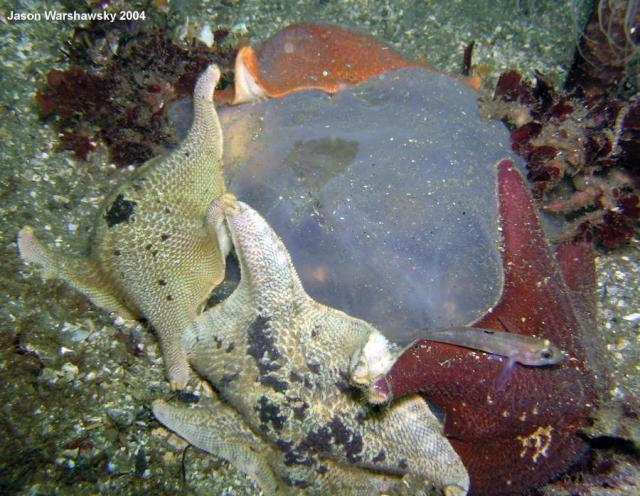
[206,35]
[632,317]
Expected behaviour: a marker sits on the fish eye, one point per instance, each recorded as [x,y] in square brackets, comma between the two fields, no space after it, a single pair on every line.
[546,354]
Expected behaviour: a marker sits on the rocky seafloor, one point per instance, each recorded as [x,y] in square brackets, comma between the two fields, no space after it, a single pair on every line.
[76,386]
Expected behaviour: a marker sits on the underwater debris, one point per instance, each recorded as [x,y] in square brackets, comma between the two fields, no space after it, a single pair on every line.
[116,66]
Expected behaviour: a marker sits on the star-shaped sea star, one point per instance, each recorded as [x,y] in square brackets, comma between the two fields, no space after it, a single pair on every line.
[151,253]
[281,361]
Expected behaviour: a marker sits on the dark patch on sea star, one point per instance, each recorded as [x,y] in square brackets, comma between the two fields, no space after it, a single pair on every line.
[274,383]
[295,377]
[350,440]
[291,455]
[300,411]
[120,211]
[317,441]
[269,412]
[380,457]
[217,340]
[330,436]
[262,345]
[284,446]
[295,482]
[343,386]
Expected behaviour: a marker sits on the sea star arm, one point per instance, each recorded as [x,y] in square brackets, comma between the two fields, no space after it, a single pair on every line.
[265,263]
[80,273]
[218,429]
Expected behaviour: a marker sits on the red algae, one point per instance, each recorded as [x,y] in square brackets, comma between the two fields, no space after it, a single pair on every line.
[122,77]
[582,143]
[580,156]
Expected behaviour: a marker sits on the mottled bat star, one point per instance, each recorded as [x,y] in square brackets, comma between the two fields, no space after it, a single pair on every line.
[279,361]
[151,253]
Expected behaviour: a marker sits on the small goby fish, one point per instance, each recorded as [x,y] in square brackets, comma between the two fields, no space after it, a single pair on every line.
[527,350]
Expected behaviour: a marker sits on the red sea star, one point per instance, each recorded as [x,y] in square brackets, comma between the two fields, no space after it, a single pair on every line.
[523,433]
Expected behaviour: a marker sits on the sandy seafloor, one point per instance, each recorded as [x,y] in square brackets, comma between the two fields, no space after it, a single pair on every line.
[82,424]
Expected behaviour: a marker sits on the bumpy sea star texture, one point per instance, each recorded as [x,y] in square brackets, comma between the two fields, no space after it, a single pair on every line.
[280,359]
[151,253]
